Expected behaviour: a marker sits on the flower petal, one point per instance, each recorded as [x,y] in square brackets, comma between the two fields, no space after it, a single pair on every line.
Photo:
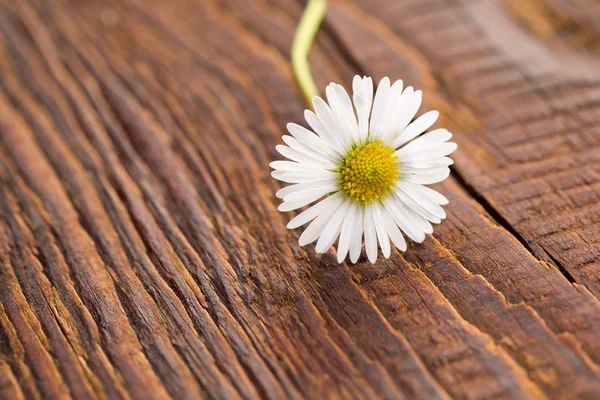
[322,124]
[346,233]
[314,230]
[314,211]
[425,192]
[370,235]
[435,163]
[424,201]
[395,99]
[392,230]
[300,195]
[416,127]
[278,174]
[427,140]
[357,234]
[410,106]
[363,101]
[312,141]
[332,229]
[287,166]
[407,169]
[308,175]
[303,199]
[433,176]
[324,160]
[281,193]
[417,207]
[342,113]
[379,107]
[430,153]
[406,219]
[301,156]
[382,237]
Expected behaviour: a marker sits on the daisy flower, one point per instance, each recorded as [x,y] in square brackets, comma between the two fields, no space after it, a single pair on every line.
[364,165]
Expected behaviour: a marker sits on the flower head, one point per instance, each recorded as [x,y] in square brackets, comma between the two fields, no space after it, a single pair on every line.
[365,167]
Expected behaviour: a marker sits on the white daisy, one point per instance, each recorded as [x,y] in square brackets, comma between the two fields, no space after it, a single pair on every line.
[365,167]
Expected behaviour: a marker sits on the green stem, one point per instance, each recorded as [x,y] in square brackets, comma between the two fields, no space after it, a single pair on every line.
[305,34]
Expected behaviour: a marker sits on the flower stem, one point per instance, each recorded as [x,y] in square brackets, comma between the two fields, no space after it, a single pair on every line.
[305,34]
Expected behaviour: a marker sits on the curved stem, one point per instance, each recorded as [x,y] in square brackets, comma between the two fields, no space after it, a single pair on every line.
[303,38]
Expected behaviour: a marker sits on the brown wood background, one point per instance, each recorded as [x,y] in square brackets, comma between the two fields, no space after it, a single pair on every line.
[142,255]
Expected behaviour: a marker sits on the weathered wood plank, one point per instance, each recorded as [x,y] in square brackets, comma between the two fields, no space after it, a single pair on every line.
[533,135]
[9,386]
[144,257]
[469,235]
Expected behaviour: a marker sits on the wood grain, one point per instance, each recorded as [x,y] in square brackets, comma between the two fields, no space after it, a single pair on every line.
[142,255]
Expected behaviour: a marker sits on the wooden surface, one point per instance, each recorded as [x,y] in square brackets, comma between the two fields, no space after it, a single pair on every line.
[142,255]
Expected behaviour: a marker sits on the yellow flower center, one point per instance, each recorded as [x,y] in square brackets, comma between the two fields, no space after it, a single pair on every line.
[368,172]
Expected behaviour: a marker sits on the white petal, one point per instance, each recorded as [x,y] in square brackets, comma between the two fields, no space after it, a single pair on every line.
[327,118]
[324,160]
[430,153]
[314,152]
[314,211]
[379,106]
[423,201]
[417,171]
[434,176]
[314,230]
[332,229]
[302,199]
[357,234]
[309,175]
[435,163]
[424,191]
[429,139]
[343,113]
[317,125]
[278,174]
[346,233]
[311,140]
[397,110]
[323,125]
[332,241]
[287,166]
[301,195]
[281,193]
[410,106]
[299,156]
[416,219]
[323,112]
[370,235]
[384,241]
[393,107]
[392,230]
[418,207]
[363,100]
[417,127]
[405,218]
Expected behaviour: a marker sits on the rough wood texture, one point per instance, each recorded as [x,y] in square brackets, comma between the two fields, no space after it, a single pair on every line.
[142,255]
